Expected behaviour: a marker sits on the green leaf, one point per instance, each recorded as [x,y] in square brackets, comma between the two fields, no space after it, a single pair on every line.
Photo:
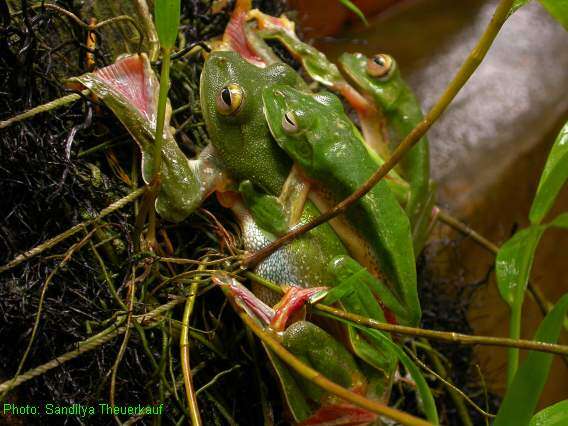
[561,221]
[514,262]
[427,399]
[353,8]
[555,415]
[558,9]
[517,4]
[166,15]
[555,170]
[522,396]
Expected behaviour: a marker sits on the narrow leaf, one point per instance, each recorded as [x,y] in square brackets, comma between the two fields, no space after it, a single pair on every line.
[517,4]
[514,262]
[353,8]
[558,9]
[522,396]
[166,15]
[561,221]
[555,415]
[427,399]
[555,170]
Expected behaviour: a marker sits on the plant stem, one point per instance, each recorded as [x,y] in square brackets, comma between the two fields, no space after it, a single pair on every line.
[89,344]
[464,73]
[445,336]
[65,100]
[161,115]
[514,333]
[184,350]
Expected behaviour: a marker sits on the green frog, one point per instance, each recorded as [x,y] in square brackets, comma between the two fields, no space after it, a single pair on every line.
[232,93]
[317,134]
[379,79]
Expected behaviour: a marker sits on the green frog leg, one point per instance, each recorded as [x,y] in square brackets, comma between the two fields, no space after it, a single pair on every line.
[316,348]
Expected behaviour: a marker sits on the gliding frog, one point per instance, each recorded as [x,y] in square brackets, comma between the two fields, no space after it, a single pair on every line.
[379,79]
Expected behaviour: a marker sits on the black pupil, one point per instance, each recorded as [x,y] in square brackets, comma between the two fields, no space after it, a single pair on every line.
[289,120]
[379,60]
[226,96]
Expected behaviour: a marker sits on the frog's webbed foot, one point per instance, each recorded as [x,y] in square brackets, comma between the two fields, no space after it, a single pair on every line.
[130,88]
[277,318]
[340,414]
[292,304]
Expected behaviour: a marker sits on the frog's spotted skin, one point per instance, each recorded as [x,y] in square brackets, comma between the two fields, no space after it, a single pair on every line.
[303,263]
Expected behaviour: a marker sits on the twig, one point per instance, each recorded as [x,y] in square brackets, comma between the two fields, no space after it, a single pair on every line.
[117,205]
[190,393]
[444,336]
[464,73]
[64,100]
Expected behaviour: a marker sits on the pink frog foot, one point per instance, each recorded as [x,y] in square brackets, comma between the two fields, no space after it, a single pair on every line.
[292,302]
[278,317]
[340,414]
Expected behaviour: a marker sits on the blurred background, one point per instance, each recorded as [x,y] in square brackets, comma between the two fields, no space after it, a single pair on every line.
[487,150]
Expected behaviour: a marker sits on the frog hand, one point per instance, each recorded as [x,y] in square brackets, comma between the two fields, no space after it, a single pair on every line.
[130,89]
[292,304]
[266,210]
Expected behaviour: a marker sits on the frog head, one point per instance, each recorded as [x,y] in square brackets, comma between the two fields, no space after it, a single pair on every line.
[378,76]
[231,101]
[306,125]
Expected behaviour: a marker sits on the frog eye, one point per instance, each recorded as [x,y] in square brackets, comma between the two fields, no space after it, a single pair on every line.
[230,99]
[379,65]
[289,123]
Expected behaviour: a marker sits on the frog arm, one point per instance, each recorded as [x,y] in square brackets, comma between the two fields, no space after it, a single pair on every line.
[130,89]
[266,210]
[277,214]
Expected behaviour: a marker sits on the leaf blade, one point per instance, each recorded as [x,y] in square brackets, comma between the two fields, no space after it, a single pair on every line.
[558,9]
[554,415]
[522,397]
[166,17]
[514,263]
[553,176]
[353,8]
